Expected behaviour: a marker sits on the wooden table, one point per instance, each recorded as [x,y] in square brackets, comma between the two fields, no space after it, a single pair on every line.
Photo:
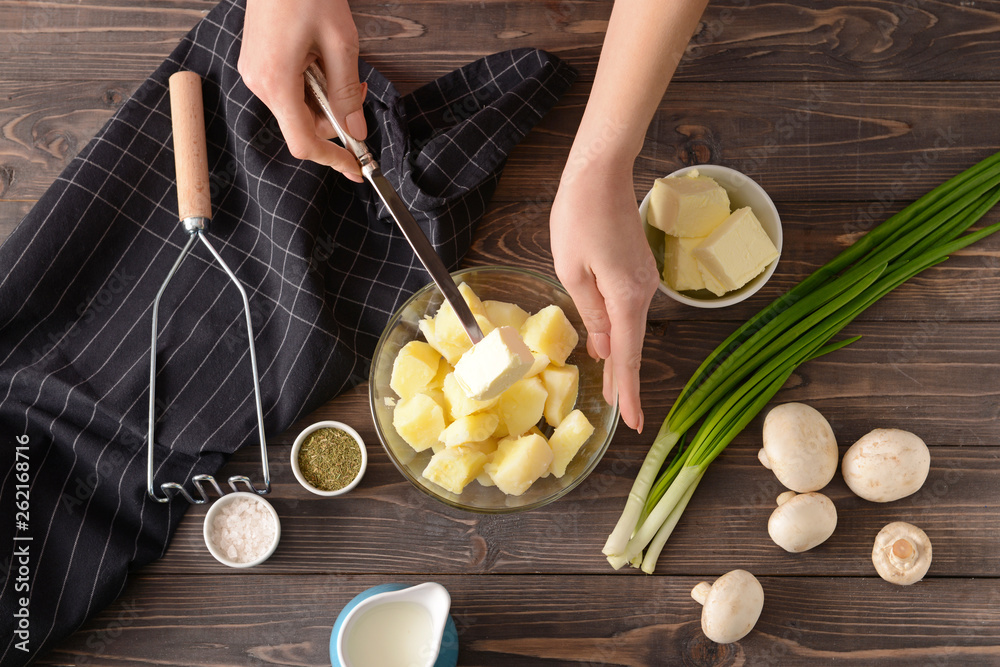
[843,112]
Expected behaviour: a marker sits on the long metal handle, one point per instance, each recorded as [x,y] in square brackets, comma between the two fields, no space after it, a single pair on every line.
[195,211]
[422,247]
[427,255]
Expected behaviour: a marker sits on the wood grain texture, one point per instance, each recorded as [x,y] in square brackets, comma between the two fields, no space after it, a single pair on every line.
[46,125]
[64,40]
[584,620]
[413,42]
[897,41]
[11,213]
[877,143]
[874,142]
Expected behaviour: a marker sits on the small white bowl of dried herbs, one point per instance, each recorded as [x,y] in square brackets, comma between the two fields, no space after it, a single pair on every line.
[329,458]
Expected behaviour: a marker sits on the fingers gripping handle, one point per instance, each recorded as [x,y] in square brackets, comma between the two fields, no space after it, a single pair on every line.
[316,82]
[190,148]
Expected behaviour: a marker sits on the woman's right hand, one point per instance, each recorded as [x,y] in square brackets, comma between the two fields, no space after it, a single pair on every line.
[280,40]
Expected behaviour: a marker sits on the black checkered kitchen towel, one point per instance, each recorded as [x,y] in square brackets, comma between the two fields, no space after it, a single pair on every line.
[323,267]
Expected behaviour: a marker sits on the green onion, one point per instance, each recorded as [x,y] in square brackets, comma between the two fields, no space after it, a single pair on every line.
[736,381]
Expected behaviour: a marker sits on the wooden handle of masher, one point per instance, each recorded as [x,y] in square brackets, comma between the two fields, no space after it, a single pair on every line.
[190,149]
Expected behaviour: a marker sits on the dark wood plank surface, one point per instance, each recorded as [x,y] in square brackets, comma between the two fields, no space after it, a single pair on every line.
[845,113]
[738,40]
[534,621]
[871,142]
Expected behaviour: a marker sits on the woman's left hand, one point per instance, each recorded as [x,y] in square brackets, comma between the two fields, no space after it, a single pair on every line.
[602,257]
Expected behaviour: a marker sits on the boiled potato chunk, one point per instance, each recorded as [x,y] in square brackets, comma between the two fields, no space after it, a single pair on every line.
[487,446]
[567,440]
[449,334]
[438,395]
[501,430]
[460,405]
[471,298]
[522,405]
[451,352]
[519,462]
[414,368]
[427,328]
[484,477]
[470,428]
[454,467]
[437,382]
[550,332]
[419,421]
[503,314]
[562,384]
[541,363]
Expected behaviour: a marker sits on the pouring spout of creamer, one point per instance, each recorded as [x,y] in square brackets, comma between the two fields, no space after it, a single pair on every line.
[401,628]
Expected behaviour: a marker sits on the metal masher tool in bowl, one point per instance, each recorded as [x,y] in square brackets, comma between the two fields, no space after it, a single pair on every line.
[194,208]
[316,83]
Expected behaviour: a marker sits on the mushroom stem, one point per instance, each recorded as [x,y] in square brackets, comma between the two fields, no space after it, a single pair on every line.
[764,461]
[902,551]
[701,591]
[785,497]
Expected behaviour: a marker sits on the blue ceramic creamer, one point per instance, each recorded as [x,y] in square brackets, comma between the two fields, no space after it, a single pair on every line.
[394,625]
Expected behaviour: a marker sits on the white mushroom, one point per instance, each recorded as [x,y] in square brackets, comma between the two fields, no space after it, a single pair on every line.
[802,521]
[799,447]
[902,553]
[886,464]
[732,606]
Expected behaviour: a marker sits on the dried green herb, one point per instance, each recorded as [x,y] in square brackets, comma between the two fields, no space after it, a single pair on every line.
[329,459]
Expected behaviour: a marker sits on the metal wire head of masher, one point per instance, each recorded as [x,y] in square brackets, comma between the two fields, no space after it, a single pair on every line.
[189,146]
[197,228]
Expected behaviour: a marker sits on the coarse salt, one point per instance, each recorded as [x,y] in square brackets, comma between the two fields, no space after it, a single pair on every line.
[243,530]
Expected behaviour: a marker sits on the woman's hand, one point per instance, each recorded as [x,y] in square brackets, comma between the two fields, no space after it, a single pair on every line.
[602,257]
[281,39]
[598,243]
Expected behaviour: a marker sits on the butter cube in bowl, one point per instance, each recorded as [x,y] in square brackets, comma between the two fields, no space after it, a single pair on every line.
[510,425]
[715,234]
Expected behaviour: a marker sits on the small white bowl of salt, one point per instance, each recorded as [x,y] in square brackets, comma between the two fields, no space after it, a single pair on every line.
[241,529]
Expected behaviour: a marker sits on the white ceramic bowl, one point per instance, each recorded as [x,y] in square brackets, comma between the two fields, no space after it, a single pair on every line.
[298,445]
[217,507]
[743,191]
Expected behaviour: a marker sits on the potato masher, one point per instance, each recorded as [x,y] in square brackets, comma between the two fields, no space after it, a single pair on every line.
[194,208]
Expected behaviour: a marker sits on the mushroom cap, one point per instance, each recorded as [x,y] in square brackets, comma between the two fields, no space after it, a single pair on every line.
[803,522]
[916,559]
[799,447]
[732,607]
[886,464]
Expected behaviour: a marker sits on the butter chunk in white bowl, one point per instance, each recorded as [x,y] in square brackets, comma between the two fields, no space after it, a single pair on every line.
[737,251]
[688,207]
[696,273]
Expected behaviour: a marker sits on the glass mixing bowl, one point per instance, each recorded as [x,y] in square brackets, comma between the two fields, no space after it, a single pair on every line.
[531,291]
